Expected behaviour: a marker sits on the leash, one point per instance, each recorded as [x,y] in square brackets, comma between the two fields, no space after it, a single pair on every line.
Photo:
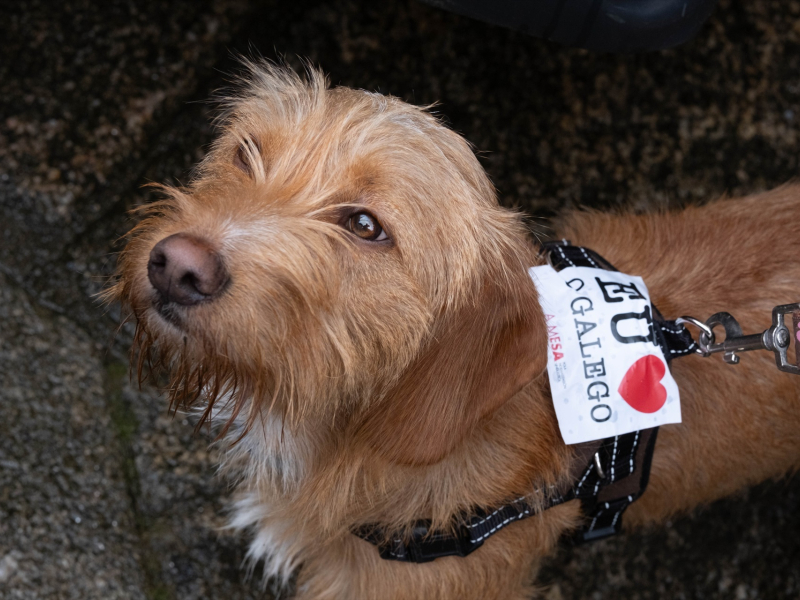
[609,474]
[776,338]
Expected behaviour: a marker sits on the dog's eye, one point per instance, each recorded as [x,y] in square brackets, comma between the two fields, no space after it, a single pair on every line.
[365,226]
[247,152]
[242,161]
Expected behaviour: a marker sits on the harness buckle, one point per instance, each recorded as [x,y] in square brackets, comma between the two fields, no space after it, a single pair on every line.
[606,519]
[425,546]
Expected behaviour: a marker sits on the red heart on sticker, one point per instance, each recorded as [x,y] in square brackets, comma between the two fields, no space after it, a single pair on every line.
[641,387]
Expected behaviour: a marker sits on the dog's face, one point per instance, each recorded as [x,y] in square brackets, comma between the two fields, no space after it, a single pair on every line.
[339,257]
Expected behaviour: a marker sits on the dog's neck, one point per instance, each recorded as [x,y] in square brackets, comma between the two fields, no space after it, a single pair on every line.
[316,475]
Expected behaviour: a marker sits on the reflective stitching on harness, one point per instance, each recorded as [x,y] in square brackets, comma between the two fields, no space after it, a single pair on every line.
[616,516]
[675,331]
[487,517]
[614,456]
[684,350]
[633,449]
[585,475]
[501,525]
[619,512]
[589,258]
[597,516]
[564,256]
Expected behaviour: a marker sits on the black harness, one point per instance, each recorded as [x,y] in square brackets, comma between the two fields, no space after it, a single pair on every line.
[612,473]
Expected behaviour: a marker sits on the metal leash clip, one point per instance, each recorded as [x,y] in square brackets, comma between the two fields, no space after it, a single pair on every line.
[776,339]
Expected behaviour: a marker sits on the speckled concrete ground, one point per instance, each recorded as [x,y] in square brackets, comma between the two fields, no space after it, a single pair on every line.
[105,495]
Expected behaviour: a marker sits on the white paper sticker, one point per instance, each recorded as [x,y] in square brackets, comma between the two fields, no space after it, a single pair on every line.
[607,375]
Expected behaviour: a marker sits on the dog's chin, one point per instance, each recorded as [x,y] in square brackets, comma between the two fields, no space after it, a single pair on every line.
[166,345]
[170,342]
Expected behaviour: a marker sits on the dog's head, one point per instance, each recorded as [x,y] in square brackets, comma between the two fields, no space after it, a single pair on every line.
[339,254]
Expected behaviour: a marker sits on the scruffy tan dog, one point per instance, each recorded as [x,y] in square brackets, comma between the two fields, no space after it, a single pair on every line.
[339,286]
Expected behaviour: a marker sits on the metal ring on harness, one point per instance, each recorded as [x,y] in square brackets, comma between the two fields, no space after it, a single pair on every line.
[706,338]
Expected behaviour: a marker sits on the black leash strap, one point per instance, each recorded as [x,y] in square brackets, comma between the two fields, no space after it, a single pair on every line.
[614,472]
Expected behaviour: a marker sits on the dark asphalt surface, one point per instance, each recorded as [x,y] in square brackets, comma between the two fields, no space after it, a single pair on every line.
[105,495]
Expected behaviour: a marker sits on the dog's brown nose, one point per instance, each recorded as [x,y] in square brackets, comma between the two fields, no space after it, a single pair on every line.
[186,270]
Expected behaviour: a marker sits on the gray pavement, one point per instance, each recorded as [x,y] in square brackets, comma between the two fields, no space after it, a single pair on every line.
[103,494]
[67,528]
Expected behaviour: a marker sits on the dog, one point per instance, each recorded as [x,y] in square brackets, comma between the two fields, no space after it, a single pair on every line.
[339,288]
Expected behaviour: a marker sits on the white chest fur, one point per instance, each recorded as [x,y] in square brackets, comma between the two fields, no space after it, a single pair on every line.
[269,463]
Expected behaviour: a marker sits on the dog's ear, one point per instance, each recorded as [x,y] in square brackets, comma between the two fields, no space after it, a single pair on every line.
[476,359]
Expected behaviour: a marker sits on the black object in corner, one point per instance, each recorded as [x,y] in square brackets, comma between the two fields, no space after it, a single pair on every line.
[600,25]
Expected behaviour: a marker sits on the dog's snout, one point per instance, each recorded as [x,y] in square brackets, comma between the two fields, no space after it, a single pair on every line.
[186,270]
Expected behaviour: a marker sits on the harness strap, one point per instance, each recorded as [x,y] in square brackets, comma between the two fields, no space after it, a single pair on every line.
[425,545]
[608,475]
[605,499]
